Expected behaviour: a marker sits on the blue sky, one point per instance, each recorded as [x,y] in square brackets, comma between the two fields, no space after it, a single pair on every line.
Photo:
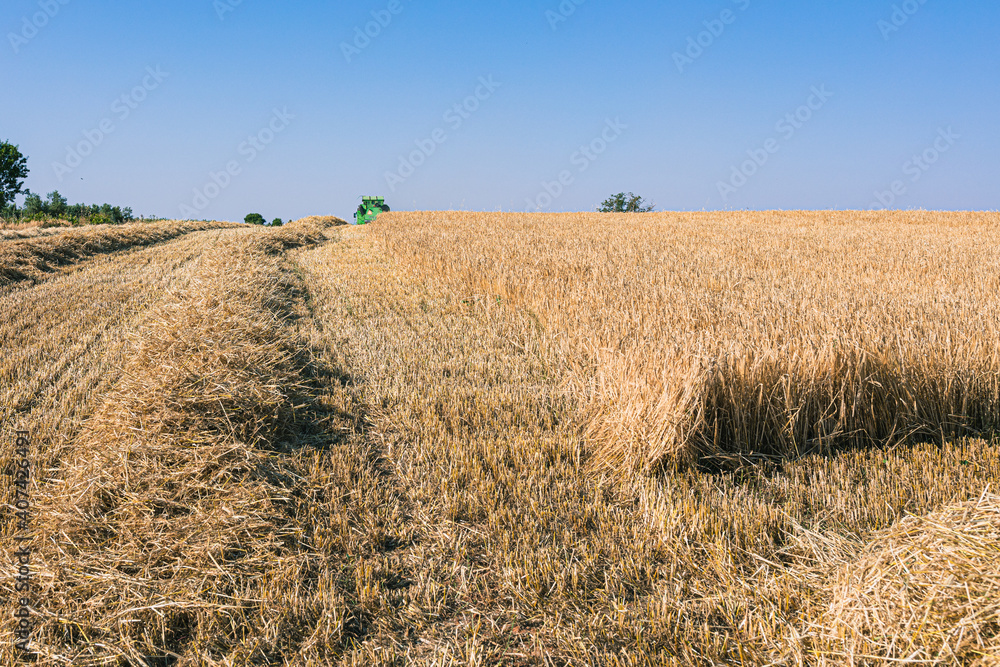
[216,108]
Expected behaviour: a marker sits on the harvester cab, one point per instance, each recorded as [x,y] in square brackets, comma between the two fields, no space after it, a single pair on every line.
[369,209]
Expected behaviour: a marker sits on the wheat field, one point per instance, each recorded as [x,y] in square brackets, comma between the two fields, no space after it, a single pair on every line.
[452,438]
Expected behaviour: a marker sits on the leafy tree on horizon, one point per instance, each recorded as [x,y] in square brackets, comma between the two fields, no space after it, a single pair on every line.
[625,202]
[33,204]
[255,219]
[13,171]
[57,205]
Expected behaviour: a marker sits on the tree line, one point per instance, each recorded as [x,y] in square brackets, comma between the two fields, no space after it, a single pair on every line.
[13,171]
[56,206]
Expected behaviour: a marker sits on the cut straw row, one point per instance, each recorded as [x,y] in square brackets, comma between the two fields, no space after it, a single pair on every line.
[171,517]
[31,259]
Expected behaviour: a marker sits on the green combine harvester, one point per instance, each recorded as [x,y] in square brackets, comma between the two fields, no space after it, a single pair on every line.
[369,209]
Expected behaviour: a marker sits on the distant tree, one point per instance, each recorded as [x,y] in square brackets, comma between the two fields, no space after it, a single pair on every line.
[277,222]
[625,202]
[255,219]
[33,204]
[13,171]
[56,205]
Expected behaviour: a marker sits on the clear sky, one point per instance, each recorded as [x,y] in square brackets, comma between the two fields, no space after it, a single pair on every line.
[214,109]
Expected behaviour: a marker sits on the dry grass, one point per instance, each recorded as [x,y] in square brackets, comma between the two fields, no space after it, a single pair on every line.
[14,224]
[927,591]
[33,258]
[387,445]
[13,234]
[64,339]
[137,530]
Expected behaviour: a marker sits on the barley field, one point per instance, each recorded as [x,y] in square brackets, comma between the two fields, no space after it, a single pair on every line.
[452,438]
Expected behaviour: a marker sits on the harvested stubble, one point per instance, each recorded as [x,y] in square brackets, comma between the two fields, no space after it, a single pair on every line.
[519,557]
[12,224]
[170,521]
[721,336]
[451,520]
[63,340]
[14,234]
[32,259]
[927,591]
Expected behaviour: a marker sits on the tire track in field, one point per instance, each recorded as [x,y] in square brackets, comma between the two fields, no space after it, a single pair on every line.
[356,518]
